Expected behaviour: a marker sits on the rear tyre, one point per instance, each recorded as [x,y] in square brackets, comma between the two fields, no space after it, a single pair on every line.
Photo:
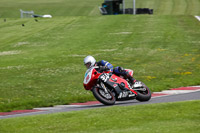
[103,97]
[144,95]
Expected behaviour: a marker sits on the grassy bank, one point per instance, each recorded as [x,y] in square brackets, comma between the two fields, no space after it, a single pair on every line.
[41,63]
[180,117]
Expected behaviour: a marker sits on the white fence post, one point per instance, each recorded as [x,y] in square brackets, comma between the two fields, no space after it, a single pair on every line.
[134,11]
[123,6]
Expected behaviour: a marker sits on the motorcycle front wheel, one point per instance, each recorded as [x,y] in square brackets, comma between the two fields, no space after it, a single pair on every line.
[103,97]
[144,95]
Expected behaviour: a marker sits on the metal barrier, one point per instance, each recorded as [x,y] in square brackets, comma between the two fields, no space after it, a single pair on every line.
[26,14]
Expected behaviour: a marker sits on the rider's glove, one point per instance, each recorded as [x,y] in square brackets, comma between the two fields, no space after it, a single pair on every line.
[103,68]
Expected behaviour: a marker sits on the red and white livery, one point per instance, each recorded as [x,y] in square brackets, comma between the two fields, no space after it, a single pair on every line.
[109,88]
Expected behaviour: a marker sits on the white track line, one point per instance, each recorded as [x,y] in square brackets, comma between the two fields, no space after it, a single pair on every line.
[197,17]
[172,92]
[195,86]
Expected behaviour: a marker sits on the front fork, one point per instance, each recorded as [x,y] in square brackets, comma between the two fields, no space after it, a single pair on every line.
[104,87]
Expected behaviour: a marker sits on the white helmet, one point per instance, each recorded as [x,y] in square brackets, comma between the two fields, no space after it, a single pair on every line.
[89,61]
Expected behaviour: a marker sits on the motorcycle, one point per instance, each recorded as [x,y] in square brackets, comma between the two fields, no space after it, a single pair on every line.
[108,88]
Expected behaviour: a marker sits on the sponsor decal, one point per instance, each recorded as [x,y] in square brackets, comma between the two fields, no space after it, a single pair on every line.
[115,85]
[87,78]
[104,77]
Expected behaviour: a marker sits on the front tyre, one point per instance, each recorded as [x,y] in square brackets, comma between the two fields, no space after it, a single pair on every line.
[143,95]
[103,97]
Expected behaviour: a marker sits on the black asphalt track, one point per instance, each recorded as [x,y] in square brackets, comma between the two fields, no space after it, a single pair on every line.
[154,100]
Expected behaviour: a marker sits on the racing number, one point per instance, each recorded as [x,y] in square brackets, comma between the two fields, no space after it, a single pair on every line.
[104,77]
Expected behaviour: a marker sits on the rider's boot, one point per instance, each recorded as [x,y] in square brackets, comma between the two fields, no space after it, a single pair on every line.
[132,80]
[129,77]
[126,75]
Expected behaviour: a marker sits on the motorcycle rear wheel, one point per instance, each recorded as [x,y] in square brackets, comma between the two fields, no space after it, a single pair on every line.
[101,96]
[144,95]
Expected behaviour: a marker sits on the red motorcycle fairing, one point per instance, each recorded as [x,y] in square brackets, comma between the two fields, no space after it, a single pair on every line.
[119,80]
[91,77]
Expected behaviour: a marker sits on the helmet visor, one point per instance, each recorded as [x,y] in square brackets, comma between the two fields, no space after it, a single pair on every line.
[88,65]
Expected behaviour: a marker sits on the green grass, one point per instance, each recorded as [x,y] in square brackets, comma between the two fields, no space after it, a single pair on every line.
[41,64]
[180,117]
[10,8]
[44,61]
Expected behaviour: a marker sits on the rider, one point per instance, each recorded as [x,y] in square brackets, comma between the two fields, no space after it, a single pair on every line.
[90,61]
